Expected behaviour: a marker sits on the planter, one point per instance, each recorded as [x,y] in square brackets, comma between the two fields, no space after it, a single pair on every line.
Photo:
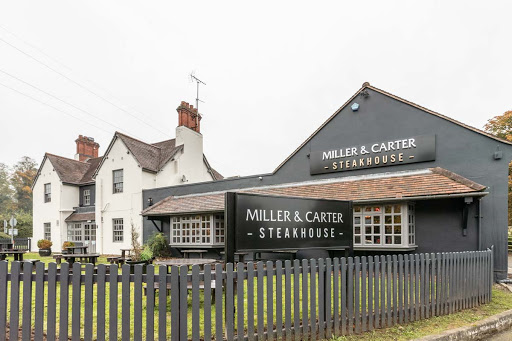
[45,252]
[132,264]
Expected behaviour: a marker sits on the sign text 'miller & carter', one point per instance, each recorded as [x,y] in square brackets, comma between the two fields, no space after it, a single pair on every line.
[380,154]
[274,223]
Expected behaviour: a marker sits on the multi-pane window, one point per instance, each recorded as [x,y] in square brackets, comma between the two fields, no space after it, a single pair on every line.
[197,229]
[118,181]
[75,232]
[47,192]
[411,225]
[48,231]
[390,225]
[219,228]
[117,228]
[87,197]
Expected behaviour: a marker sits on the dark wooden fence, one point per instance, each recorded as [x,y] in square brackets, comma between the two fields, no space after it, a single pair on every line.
[19,243]
[308,299]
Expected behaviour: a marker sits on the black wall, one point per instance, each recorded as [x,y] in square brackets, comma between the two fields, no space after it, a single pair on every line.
[382,118]
[93,195]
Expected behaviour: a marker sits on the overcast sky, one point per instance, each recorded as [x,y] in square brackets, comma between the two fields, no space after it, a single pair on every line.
[274,70]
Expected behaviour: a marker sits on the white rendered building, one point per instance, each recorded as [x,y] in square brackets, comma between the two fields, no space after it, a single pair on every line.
[95,200]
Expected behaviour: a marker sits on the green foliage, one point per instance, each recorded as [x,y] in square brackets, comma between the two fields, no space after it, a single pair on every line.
[4,236]
[6,191]
[22,178]
[501,126]
[159,245]
[146,254]
[44,244]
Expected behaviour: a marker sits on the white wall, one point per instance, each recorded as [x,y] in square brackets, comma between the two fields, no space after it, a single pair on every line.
[64,198]
[126,205]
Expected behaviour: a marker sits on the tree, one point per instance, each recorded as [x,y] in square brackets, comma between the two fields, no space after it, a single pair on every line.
[5,190]
[501,126]
[24,173]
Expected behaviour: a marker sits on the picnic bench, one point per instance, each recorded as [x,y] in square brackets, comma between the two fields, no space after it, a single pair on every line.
[87,257]
[18,254]
[186,253]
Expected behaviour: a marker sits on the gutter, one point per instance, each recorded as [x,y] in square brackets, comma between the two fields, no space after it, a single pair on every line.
[423,197]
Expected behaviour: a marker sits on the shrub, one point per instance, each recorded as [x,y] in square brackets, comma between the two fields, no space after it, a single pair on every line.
[44,244]
[4,236]
[146,254]
[159,245]
[67,244]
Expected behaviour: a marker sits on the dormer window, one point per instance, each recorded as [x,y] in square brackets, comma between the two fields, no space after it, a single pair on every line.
[118,181]
[47,192]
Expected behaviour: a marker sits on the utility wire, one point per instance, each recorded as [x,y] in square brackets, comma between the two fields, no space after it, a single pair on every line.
[55,108]
[80,85]
[70,69]
[34,47]
[65,102]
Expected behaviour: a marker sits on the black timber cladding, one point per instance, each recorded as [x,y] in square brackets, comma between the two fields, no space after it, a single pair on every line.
[381,118]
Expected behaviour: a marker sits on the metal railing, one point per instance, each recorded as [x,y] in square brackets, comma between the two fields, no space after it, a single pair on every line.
[296,300]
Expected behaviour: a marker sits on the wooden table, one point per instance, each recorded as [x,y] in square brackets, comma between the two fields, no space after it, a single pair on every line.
[81,248]
[184,261]
[89,257]
[18,254]
[186,253]
[124,252]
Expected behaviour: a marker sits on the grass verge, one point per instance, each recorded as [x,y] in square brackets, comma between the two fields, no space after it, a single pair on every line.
[501,301]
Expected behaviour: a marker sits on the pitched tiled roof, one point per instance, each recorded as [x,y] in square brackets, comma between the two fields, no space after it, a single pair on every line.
[153,157]
[400,185]
[81,217]
[73,171]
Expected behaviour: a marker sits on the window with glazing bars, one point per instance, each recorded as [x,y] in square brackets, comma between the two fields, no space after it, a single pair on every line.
[117,229]
[47,192]
[118,181]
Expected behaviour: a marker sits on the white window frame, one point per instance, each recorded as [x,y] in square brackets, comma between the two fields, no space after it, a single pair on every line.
[87,197]
[48,192]
[197,229]
[117,181]
[384,226]
[117,230]
[47,231]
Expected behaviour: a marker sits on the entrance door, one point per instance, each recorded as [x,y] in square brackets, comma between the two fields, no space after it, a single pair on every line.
[90,237]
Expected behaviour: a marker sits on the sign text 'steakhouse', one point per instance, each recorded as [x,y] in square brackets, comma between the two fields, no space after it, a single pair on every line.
[379,154]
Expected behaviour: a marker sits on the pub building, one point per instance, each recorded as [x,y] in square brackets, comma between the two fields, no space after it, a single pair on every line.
[419,182]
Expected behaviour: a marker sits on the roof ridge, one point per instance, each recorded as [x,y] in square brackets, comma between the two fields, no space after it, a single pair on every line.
[133,138]
[67,158]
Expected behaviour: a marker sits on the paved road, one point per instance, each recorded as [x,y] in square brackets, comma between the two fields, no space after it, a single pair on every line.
[504,336]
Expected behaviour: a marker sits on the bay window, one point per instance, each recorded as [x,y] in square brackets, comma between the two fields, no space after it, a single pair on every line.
[198,229]
[384,226]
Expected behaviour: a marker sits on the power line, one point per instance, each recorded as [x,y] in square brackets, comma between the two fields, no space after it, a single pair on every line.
[34,47]
[80,85]
[55,108]
[70,69]
[63,101]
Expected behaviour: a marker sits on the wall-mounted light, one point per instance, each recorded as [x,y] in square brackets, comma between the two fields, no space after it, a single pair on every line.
[498,154]
[150,201]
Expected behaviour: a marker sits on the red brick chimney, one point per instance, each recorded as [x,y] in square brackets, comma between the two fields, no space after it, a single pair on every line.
[86,148]
[189,117]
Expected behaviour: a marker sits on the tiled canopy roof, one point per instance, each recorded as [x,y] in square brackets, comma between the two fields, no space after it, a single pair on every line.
[402,185]
[73,171]
[81,217]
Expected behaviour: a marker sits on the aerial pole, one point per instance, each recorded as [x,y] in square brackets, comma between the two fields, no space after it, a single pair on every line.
[193,78]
